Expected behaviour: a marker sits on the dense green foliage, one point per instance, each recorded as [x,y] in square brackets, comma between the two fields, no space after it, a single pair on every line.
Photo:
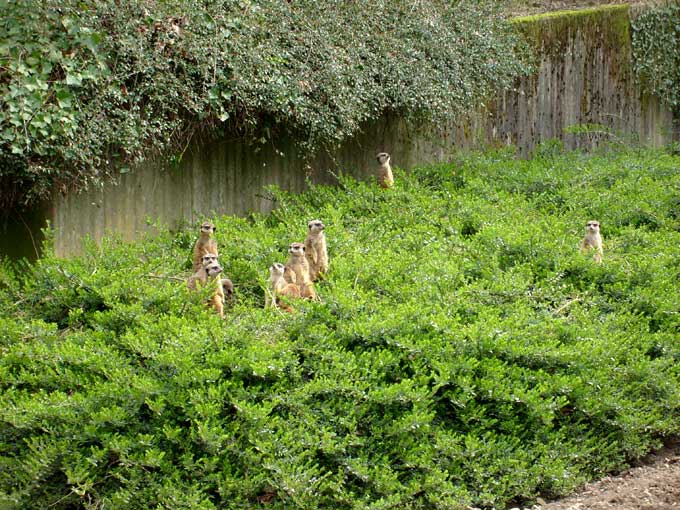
[92,85]
[465,352]
[656,48]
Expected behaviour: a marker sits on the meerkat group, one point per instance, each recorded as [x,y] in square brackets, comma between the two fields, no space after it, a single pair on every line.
[307,262]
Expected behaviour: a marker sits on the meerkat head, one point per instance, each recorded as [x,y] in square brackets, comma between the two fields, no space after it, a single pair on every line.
[297,249]
[592,226]
[383,157]
[213,269]
[208,228]
[227,287]
[316,226]
[276,269]
[207,259]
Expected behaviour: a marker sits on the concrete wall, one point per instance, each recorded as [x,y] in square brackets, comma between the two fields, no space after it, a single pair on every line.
[583,77]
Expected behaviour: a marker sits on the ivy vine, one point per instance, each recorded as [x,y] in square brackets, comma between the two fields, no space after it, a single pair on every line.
[93,87]
[656,52]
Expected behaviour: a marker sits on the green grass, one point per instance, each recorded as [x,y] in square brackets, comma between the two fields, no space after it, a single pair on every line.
[465,353]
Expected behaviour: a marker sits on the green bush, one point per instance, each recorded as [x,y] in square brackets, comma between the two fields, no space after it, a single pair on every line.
[465,353]
[94,87]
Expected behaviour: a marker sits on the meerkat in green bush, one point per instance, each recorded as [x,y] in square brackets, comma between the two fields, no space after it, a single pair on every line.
[316,251]
[227,290]
[593,240]
[205,244]
[217,300]
[385,177]
[201,275]
[297,271]
[278,287]
[208,273]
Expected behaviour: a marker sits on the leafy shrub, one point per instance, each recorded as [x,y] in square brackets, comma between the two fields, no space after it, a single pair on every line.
[465,353]
[91,87]
[656,39]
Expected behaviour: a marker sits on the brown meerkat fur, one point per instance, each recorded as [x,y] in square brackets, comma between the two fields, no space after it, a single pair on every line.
[217,300]
[593,240]
[279,288]
[316,251]
[385,177]
[201,276]
[227,290]
[204,244]
[297,271]
[209,272]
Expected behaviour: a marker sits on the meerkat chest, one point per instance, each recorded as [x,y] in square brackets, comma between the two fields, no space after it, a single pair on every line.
[594,239]
[317,243]
[277,283]
[209,246]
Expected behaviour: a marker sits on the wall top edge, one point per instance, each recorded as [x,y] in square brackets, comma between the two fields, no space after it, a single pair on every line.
[589,11]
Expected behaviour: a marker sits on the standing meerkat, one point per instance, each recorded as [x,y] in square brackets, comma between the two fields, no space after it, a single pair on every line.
[217,300]
[297,271]
[593,240]
[209,274]
[385,177]
[201,276]
[278,288]
[315,249]
[204,244]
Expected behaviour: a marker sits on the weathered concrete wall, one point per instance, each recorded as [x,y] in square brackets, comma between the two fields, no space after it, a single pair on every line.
[583,77]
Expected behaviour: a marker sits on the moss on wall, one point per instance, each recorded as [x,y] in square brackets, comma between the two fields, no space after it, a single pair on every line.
[551,33]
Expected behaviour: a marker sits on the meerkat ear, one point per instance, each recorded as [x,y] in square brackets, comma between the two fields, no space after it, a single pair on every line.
[214,229]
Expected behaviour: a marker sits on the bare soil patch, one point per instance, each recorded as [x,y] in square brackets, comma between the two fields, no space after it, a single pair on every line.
[654,484]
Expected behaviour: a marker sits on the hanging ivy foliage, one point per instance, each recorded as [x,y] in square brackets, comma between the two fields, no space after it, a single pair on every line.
[656,52]
[92,87]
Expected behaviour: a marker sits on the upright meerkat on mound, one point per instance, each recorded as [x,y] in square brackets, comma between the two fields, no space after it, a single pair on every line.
[385,177]
[279,288]
[297,271]
[205,244]
[315,249]
[593,240]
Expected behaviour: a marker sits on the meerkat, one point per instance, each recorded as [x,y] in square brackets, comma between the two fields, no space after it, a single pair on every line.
[593,240]
[204,244]
[213,271]
[209,272]
[297,267]
[278,287]
[201,275]
[227,289]
[297,271]
[385,177]
[315,249]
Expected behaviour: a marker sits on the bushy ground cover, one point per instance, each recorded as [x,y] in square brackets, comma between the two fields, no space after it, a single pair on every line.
[465,352]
